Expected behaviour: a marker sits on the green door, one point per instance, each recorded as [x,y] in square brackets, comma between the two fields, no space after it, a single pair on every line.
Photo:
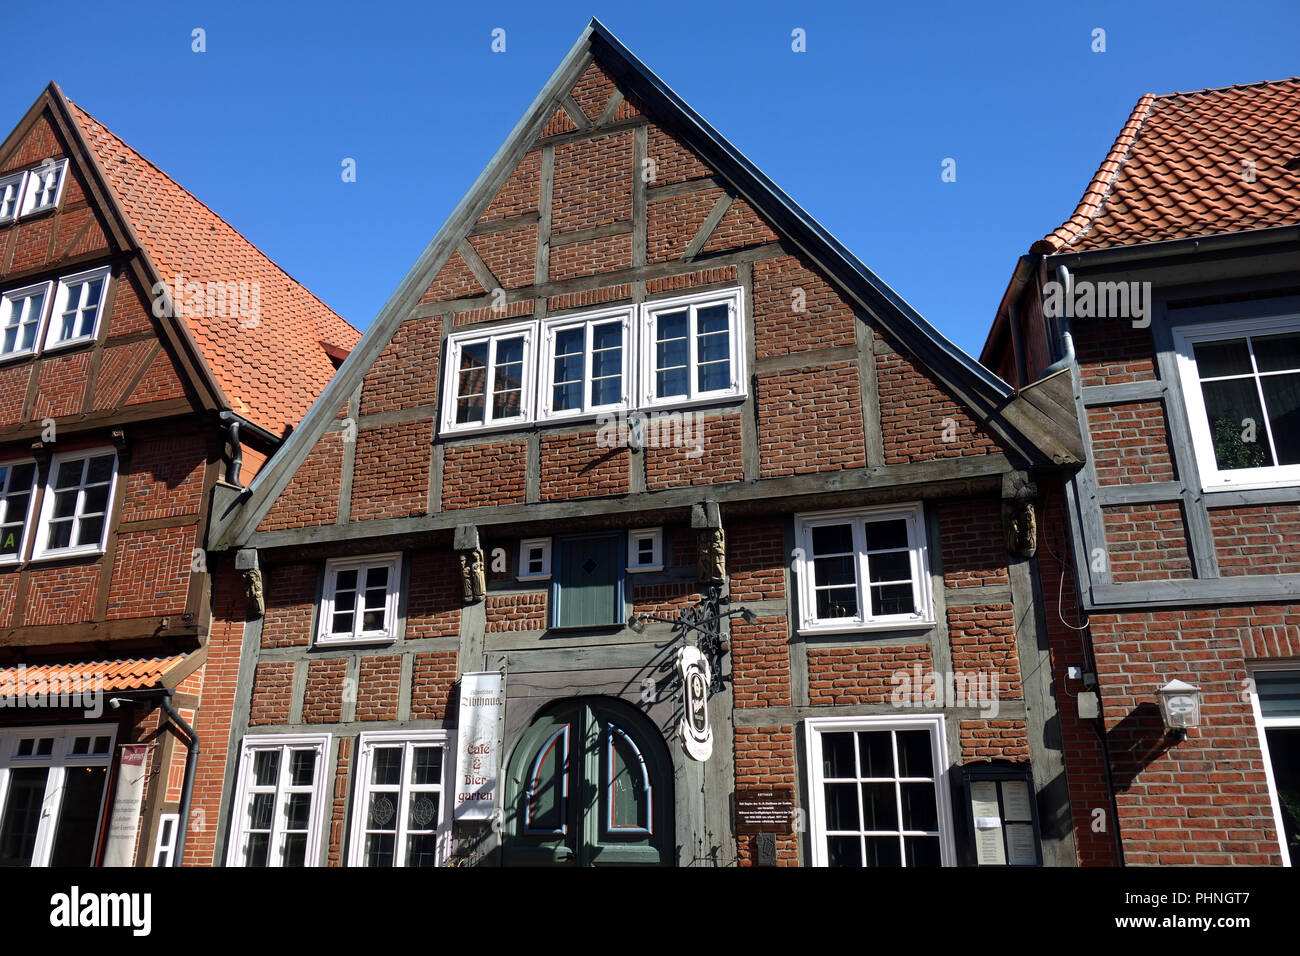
[590,784]
[588,585]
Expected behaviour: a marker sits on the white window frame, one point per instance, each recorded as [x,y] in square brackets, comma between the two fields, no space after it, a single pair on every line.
[366,746]
[7,306]
[47,507]
[1212,479]
[456,345]
[922,591]
[637,535]
[60,304]
[18,183]
[1262,723]
[735,301]
[164,850]
[329,590]
[6,490]
[35,183]
[58,761]
[814,727]
[546,380]
[527,545]
[316,821]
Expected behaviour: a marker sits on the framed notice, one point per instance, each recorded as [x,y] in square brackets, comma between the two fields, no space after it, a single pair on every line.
[1002,816]
[764,810]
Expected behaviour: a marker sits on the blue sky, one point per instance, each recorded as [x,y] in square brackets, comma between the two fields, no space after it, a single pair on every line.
[856,128]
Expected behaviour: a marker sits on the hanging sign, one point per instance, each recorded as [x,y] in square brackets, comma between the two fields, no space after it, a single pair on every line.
[124,821]
[697,736]
[482,697]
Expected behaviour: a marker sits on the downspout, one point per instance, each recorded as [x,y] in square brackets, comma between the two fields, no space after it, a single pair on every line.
[1067,340]
[237,451]
[191,764]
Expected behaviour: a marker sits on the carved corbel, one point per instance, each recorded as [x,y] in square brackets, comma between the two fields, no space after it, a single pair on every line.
[711,543]
[254,594]
[1019,522]
[473,567]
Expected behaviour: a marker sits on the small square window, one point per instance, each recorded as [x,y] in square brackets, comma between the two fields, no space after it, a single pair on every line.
[78,304]
[645,550]
[11,192]
[534,559]
[360,600]
[44,187]
[21,313]
[78,496]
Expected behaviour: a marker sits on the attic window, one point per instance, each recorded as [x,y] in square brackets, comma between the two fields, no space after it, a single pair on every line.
[44,187]
[11,190]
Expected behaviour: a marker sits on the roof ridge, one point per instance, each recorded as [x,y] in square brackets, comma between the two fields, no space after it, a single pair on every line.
[1232,86]
[79,109]
[1097,192]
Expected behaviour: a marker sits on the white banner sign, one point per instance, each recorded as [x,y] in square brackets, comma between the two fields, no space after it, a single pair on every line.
[119,849]
[482,697]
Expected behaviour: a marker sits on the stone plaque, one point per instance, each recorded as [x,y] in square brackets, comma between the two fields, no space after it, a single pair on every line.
[764,810]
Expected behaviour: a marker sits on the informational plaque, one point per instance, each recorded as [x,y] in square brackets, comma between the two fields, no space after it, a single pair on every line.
[478,750]
[1003,813]
[119,848]
[764,810]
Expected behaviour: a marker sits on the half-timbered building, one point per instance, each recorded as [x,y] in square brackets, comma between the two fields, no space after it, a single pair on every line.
[146,350]
[1170,299]
[733,549]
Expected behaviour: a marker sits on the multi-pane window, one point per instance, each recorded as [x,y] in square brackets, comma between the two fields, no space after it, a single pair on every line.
[690,349]
[492,379]
[44,187]
[74,513]
[1241,383]
[584,364]
[52,787]
[401,816]
[78,304]
[687,349]
[279,801]
[645,549]
[534,559]
[879,795]
[21,312]
[862,569]
[17,484]
[11,192]
[1276,703]
[360,600]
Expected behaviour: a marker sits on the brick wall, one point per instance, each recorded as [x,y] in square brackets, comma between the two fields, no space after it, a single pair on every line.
[290,605]
[516,612]
[765,758]
[1130,443]
[755,559]
[1112,352]
[433,598]
[391,476]
[272,693]
[1260,540]
[785,284]
[864,675]
[974,549]
[151,573]
[810,420]
[760,662]
[312,495]
[593,183]
[575,466]
[433,677]
[322,699]
[673,221]
[919,420]
[983,638]
[1146,542]
[406,373]
[486,474]
[61,595]
[378,682]
[676,462]
[997,739]
[338,812]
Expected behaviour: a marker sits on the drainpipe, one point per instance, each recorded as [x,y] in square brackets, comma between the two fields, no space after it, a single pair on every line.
[237,451]
[1067,340]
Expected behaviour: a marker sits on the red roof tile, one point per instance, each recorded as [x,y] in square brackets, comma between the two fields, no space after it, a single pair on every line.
[28,680]
[270,370]
[1177,170]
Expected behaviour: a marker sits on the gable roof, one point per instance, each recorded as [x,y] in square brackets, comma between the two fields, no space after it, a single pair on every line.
[981,390]
[1177,170]
[267,372]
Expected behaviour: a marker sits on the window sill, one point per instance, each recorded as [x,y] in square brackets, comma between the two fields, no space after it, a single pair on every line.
[354,641]
[1262,484]
[71,343]
[67,553]
[812,630]
[528,578]
[645,569]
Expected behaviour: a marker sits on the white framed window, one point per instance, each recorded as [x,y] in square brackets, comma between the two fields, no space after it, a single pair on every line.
[78,304]
[534,559]
[44,187]
[584,364]
[359,601]
[74,508]
[17,486]
[490,378]
[863,569]
[692,348]
[11,193]
[21,312]
[279,800]
[879,789]
[1275,701]
[53,782]
[76,504]
[401,814]
[164,850]
[1241,386]
[645,550]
